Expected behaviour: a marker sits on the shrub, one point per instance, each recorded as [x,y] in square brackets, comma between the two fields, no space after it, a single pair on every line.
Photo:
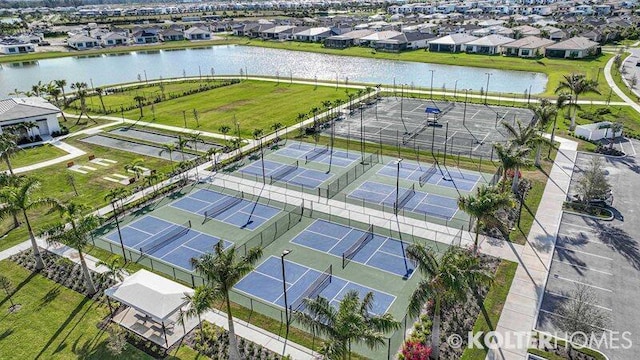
[117,341]
[413,350]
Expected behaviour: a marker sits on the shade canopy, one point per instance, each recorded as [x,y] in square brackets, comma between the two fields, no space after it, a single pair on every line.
[150,294]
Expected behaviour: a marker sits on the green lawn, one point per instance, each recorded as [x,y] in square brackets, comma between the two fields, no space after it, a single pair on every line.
[554,68]
[492,306]
[254,104]
[33,155]
[113,102]
[91,186]
[54,322]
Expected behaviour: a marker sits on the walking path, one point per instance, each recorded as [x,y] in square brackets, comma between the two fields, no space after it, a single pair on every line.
[72,153]
[525,295]
[616,89]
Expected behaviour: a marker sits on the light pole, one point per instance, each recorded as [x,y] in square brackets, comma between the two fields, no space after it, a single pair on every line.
[284,287]
[362,133]
[464,114]
[486,92]
[431,86]
[455,90]
[396,207]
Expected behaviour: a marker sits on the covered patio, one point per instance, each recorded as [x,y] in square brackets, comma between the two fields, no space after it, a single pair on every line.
[154,306]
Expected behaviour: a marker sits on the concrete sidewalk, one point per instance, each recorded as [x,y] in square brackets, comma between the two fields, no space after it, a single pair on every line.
[72,153]
[525,296]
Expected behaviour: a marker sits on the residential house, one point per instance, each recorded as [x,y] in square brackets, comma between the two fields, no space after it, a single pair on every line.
[144,37]
[171,35]
[525,30]
[346,40]
[373,38]
[316,34]
[197,33]
[451,43]
[15,46]
[405,41]
[530,46]
[82,42]
[17,111]
[278,32]
[490,44]
[574,48]
[113,39]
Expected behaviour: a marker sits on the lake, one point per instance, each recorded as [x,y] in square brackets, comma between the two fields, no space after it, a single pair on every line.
[232,59]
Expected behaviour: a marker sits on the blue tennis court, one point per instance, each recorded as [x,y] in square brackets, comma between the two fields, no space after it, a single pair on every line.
[379,252]
[179,250]
[231,210]
[464,181]
[265,283]
[300,176]
[420,202]
[319,154]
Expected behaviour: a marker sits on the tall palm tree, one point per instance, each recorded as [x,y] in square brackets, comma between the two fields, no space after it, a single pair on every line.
[275,127]
[8,180]
[169,148]
[182,144]
[37,89]
[100,92]
[8,148]
[152,180]
[20,200]
[483,207]
[55,92]
[615,127]
[222,270]
[115,270]
[351,322]
[577,84]
[77,237]
[135,167]
[224,130]
[139,99]
[446,279]
[195,138]
[510,160]
[81,93]
[522,138]
[211,154]
[60,84]
[114,195]
[198,303]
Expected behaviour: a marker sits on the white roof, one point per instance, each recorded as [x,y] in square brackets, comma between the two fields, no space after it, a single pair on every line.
[454,39]
[314,31]
[150,294]
[381,35]
[491,40]
[20,108]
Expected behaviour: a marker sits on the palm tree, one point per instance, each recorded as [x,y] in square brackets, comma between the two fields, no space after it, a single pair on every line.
[521,140]
[199,303]
[211,154]
[275,127]
[169,148]
[614,128]
[8,180]
[60,84]
[181,144]
[114,195]
[7,286]
[100,92]
[78,237]
[152,180]
[195,138]
[8,148]
[511,158]
[135,167]
[224,130]
[222,270]
[55,92]
[447,279]
[37,89]
[115,270]
[81,92]
[139,99]
[577,84]
[351,323]
[20,200]
[483,206]
[562,101]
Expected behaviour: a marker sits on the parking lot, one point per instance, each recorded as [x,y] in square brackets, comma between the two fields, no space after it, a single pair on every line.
[603,256]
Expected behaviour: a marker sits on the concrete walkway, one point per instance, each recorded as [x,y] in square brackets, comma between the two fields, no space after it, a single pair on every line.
[525,296]
[616,89]
[72,153]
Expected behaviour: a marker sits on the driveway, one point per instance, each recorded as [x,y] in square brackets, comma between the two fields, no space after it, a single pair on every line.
[604,256]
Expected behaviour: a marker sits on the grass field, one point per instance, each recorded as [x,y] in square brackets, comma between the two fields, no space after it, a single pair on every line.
[33,155]
[55,322]
[91,187]
[113,102]
[254,104]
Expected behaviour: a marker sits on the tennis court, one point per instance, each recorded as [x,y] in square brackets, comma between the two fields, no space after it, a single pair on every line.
[228,209]
[409,200]
[292,174]
[318,154]
[356,245]
[265,283]
[170,242]
[432,174]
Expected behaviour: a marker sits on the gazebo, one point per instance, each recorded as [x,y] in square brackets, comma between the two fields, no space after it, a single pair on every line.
[154,305]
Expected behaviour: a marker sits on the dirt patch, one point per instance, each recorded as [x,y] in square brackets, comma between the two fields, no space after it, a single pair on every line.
[231,106]
[280,90]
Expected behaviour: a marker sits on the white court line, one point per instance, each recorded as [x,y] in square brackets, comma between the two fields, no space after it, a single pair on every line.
[582,267]
[446,140]
[567,297]
[632,147]
[584,252]
[581,283]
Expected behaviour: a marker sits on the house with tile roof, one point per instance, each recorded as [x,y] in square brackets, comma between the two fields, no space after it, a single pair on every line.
[17,111]
[574,48]
[527,47]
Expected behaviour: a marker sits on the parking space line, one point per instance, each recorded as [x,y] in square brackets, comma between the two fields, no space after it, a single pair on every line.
[567,297]
[556,314]
[584,252]
[583,267]
[556,276]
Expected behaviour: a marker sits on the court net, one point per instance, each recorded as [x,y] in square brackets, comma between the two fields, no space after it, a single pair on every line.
[284,171]
[314,154]
[426,176]
[222,207]
[357,246]
[169,236]
[405,197]
[314,289]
